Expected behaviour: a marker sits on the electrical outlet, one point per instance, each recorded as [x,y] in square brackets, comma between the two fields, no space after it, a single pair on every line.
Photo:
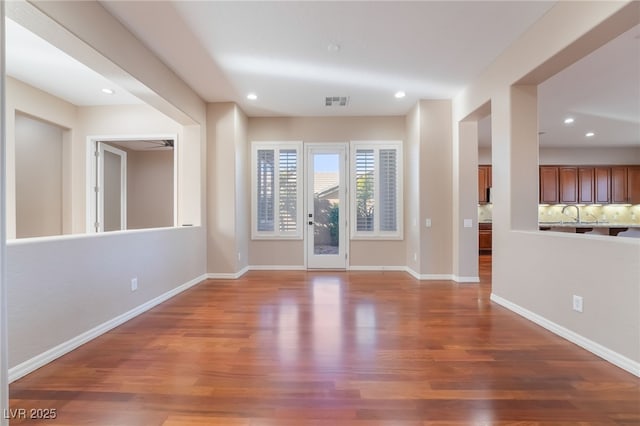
[134,284]
[577,303]
[427,222]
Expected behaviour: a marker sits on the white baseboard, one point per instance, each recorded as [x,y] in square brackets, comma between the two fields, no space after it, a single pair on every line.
[466,279]
[376,268]
[277,268]
[413,273]
[603,352]
[228,276]
[46,357]
[399,268]
[429,277]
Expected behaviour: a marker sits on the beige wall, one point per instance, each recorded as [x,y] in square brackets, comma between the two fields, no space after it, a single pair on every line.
[436,190]
[149,189]
[76,283]
[484,155]
[38,150]
[243,189]
[578,156]
[22,98]
[539,272]
[413,225]
[326,130]
[585,156]
[114,121]
[227,198]
[122,121]
[429,190]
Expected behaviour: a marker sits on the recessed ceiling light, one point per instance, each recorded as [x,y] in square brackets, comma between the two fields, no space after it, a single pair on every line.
[569,120]
[108,91]
[400,95]
[333,47]
[589,134]
[252,96]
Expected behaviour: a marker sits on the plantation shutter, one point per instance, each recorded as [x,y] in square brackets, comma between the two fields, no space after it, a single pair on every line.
[387,205]
[288,180]
[265,190]
[365,189]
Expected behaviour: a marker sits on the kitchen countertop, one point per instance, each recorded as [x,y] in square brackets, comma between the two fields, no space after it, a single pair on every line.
[588,225]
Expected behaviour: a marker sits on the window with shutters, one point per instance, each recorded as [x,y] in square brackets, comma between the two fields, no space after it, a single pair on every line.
[376,198]
[276,190]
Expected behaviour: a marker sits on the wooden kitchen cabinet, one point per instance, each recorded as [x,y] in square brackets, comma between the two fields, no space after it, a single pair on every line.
[484,183]
[602,185]
[633,184]
[485,237]
[619,184]
[586,185]
[568,184]
[590,184]
[549,185]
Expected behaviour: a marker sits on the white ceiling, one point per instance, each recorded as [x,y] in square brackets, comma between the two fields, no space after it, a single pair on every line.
[279,50]
[39,64]
[601,92]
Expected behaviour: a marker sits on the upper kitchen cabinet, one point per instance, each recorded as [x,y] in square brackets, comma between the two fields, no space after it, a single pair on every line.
[602,184]
[633,184]
[625,185]
[484,183]
[568,180]
[594,185]
[586,181]
[590,184]
[619,185]
[549,185]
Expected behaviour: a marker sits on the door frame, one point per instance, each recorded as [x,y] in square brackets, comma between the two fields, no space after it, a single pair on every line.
[329,148]
[102,148]
[91,172]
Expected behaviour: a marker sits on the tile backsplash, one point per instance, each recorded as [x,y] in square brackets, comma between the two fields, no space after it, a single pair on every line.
[611,213]
[484,212]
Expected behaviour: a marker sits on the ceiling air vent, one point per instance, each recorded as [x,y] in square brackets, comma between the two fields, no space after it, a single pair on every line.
[336,101]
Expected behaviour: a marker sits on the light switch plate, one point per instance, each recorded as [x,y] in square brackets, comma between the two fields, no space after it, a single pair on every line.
[427,223]
[468,223]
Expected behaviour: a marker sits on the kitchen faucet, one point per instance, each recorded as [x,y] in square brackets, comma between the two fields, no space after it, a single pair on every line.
[577,218]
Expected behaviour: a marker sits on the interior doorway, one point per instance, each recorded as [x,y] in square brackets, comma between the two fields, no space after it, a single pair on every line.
[326,206]
[111,190]
[131,182]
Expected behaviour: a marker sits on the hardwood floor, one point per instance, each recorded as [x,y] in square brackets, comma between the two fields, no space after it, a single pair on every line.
[326,348]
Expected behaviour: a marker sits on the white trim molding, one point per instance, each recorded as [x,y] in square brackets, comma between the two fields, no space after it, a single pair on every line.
[603,352]
[47,356]
[459,279]
[429,277]
[377,268]
[228,276]
[277,268]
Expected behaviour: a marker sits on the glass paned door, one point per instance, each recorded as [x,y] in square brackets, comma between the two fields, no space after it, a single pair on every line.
[326,206]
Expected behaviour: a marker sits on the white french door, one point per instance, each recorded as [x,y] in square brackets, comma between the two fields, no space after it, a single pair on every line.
[326,206]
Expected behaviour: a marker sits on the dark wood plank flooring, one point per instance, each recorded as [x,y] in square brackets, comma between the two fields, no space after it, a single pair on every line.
[327,348]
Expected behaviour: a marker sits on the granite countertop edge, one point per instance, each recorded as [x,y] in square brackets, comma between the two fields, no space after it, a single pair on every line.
[588,225]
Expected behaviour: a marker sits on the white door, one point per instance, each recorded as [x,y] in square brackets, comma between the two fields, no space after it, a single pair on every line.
[326,206]
[111,189]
